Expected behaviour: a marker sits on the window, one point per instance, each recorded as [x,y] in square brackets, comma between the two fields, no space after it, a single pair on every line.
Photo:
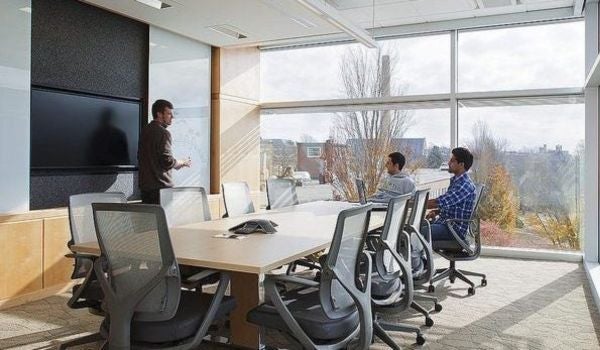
[526,57]
[340,150]
[313,152]
[530,158]
[417,65]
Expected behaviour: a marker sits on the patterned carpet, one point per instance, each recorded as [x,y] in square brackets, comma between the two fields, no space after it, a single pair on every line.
[526,305]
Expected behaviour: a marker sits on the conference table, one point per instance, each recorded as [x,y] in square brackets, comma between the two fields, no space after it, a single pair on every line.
[302,230]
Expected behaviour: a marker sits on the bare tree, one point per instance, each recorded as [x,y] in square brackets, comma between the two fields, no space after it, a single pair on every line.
[367,135]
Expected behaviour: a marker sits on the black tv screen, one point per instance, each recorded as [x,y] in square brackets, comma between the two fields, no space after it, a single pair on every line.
[79,131]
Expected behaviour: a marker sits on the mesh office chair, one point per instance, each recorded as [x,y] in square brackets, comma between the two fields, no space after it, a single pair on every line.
[328,314]
[236,196]
[419,229]
[81,221]
[140,279]
[185,205]
[461,249]
[392,286]
[281,193]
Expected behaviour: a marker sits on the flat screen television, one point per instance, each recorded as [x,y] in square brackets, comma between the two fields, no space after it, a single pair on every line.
[72,130]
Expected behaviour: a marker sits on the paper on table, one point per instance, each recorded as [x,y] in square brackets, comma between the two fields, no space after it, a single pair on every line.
[229,236]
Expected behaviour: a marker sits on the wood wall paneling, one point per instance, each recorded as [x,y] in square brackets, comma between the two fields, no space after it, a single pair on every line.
[20,258]
[57,267]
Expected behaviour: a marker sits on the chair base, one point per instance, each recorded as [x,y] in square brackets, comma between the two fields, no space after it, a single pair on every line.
[452,273]
[417,307]
[380,328]
[86,339]
[423,296]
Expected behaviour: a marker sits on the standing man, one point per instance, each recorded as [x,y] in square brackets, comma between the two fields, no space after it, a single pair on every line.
[154,154]
[396,183]
[457,202]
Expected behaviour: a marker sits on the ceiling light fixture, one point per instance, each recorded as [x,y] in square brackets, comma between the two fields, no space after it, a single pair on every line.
[25,9]
[157,4]
[333,16]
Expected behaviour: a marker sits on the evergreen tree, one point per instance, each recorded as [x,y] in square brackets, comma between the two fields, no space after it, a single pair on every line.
[435,157]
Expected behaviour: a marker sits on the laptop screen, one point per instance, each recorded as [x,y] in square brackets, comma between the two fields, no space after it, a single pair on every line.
[362,192]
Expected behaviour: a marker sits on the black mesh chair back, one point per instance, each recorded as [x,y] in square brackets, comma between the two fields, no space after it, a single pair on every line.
[361,190]
[473,236]
[140,277]
[81,222]
[143,272]
[185,205]
[339,291]
[329,314]
[420,228]
[395,219]
[419,208]
[281,193]
[236,196]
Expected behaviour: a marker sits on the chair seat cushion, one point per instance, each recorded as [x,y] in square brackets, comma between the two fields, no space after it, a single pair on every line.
[383,288]
[190,313]
[449,246]
[305,307]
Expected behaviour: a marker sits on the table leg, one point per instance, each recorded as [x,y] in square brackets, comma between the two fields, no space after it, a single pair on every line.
[245,289]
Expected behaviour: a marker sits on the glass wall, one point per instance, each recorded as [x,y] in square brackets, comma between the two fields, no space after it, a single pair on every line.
[529,150]
[527,57]
[15,70]
[180,73]
[530,158]
[353,144]
[415,65]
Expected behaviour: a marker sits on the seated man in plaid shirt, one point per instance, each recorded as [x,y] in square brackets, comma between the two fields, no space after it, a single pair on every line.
[457,202]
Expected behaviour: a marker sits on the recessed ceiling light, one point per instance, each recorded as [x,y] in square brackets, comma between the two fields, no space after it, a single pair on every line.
[157,4]
[153,44]
[228,30]
[25,9]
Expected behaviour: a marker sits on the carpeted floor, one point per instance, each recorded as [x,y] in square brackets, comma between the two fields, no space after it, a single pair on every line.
[526,305]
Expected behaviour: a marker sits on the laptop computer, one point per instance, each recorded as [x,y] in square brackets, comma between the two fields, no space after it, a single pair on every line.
[362,197]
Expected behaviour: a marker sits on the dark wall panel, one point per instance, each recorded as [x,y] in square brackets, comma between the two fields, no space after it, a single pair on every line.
[79,47]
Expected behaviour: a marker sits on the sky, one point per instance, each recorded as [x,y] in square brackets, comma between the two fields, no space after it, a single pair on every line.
[530,57]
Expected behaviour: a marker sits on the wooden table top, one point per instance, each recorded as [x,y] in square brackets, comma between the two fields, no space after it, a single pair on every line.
[303,229]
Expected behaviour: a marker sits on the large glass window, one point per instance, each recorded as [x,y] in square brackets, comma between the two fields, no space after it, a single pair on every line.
[415,65]
[354,144]
[530,158]
[527,57]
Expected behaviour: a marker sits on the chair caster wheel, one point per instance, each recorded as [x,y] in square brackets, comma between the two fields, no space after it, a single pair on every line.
[471,291]
[420,339]
[452,280]
[431,288]
[429,322]
[438,307]
[483,282]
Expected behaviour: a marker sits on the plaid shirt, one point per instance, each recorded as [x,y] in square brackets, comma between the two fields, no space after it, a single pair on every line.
[457,202]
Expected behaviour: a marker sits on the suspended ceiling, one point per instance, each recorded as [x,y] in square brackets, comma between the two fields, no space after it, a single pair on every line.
[266,22]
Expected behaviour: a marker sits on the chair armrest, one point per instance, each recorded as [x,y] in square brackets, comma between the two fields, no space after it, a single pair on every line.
[81,256]
[293,279]
[200,275]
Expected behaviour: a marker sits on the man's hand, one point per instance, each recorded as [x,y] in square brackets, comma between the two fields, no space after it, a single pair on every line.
[183,163]
[431,214]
